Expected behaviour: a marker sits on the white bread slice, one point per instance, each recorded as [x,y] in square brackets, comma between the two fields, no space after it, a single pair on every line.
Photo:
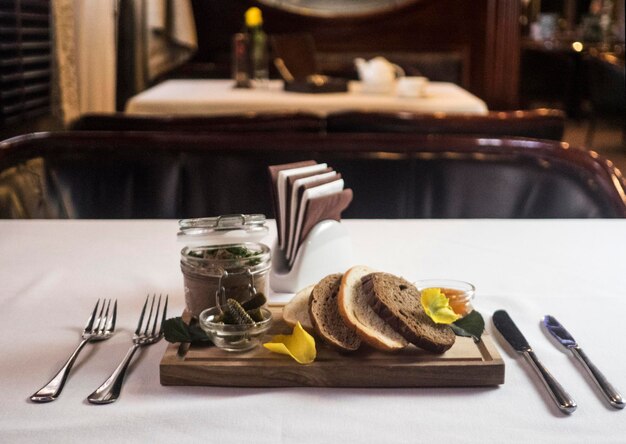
[297,309]
[358,315]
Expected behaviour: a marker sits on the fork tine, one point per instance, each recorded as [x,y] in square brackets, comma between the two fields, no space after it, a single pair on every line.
[145,332]
[143,312]
[110,327]
[99,318]
[103,320]
[164,314]
[92,317]
[156,316]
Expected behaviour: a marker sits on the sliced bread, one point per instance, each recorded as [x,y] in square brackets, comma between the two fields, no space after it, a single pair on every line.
[297,310]
[397,301]
[359,315]
[325,317]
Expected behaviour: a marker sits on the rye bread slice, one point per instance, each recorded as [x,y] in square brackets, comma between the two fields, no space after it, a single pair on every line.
[358,315]
[398,302]
[325,317]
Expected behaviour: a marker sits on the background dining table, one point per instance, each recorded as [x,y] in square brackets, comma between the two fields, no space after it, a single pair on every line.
[217,96]
[53,271]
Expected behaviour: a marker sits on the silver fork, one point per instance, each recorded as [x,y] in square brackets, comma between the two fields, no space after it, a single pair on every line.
[110,390]
[98,328]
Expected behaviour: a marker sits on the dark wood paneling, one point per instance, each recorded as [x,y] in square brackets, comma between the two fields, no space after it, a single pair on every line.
[486,32]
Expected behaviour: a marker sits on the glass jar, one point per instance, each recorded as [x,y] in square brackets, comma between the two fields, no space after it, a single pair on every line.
[222,260]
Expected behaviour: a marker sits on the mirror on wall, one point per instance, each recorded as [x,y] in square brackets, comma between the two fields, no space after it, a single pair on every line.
[337,8]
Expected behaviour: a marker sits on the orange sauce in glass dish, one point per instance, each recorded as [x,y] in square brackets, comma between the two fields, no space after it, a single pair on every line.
[459,301]
[459,293]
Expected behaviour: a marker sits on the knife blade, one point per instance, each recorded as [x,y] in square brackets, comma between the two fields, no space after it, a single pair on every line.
[516,339]
[567,340]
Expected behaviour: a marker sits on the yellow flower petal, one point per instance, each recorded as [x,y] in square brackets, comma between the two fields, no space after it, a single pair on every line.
[437,306]
[253,17]
[299,345]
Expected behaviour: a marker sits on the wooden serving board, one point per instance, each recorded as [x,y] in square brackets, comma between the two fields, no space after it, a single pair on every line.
[466,364]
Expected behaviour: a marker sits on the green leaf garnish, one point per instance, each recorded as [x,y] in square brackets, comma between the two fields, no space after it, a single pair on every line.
[470,326]
[176,330]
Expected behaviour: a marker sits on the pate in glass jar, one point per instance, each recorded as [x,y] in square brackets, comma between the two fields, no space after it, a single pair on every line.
[223,259]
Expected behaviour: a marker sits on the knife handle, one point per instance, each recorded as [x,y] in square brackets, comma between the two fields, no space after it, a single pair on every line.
[611,394]
[563,400]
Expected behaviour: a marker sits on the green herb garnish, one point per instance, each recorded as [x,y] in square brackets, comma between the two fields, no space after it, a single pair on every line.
[240,252]
[176,330]
[470,326]
[243,253]
[230,253]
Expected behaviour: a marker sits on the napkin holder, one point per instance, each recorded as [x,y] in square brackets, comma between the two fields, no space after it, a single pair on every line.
[326,250]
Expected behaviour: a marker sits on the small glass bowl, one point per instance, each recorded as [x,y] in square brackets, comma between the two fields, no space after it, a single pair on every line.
[459,293]
[234,337]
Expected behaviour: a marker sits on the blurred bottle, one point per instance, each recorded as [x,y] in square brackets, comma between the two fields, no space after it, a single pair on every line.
[240,61]
[258,48]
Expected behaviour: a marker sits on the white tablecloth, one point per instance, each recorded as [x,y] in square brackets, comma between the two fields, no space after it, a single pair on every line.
[206,97]
[51,273]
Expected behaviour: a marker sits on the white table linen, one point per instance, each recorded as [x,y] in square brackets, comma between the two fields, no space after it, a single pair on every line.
[210,97]
[52,272]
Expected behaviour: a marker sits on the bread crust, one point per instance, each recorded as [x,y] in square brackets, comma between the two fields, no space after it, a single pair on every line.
[404,312]
[323,307]
[350,283]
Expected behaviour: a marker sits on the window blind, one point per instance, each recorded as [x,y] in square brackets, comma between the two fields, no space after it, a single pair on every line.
[25,60]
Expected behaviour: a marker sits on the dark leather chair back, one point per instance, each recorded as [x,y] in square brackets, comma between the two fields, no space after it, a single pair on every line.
[257,122]
[539,124]
[168,175]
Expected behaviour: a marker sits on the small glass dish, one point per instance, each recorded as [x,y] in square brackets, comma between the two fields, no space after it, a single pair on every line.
[459,293]
[234,337]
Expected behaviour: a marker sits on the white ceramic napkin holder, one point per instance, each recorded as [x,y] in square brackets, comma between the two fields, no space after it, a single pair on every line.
[326,250]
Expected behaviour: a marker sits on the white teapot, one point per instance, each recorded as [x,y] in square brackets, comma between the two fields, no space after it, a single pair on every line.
[378,75]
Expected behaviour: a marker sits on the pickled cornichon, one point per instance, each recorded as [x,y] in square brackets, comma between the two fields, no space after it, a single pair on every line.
[233,311]
[236,311]
[257,301]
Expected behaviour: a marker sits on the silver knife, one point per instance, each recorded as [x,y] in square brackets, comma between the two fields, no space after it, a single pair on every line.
[567,341]
[511,333]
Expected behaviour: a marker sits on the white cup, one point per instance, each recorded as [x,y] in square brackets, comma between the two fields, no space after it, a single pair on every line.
[411,86]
